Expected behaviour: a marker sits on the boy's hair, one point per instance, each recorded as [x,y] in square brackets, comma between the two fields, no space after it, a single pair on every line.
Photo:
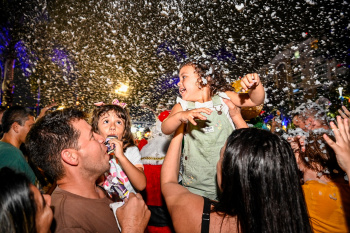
[205,69]
[49,136]
[128,138]
[320,157]
[14,114]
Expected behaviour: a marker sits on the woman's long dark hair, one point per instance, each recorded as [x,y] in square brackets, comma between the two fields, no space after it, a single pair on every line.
[260,184]
[17,205]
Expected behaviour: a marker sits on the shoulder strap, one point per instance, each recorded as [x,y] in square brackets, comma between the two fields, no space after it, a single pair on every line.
[206,216]
[216,100]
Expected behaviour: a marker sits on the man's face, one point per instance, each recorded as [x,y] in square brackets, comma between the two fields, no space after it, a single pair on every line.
[94,159]
[23,130]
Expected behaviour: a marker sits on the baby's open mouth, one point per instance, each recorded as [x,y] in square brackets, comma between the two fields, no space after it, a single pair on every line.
[182,90]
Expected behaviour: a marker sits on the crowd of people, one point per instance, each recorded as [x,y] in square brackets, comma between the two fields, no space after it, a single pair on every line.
[214,173]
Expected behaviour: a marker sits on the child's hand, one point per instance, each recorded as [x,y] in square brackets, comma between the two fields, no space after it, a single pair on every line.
[250,81]
[191,115]
[117,145]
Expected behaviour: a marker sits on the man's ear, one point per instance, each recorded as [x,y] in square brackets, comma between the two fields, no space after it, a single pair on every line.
[15,127]
[70,157]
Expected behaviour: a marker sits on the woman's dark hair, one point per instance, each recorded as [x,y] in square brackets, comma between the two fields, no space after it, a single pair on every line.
[128,138]
[320,157]
[260,184]
[205,69]
[17,204]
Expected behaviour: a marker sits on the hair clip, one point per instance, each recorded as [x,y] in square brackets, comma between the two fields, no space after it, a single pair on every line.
[114,102]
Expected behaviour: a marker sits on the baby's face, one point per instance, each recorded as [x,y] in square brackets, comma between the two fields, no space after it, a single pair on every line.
[110,124]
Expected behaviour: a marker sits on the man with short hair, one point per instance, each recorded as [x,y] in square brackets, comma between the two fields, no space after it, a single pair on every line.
[16,123]
[63,144]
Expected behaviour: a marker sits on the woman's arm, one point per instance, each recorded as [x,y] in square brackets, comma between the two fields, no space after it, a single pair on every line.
[236,116]
[184,207]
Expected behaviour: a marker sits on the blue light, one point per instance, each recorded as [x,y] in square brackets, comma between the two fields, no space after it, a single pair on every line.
[24,58]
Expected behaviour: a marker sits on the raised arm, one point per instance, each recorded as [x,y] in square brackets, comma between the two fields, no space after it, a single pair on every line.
[255,95]
[183,206]
[44,109]
[341,146]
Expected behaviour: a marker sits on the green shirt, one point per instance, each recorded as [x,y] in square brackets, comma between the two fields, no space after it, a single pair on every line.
[12,157]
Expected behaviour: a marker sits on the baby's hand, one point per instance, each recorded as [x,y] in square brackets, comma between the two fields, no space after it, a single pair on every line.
[117,145]
[191,115]
[250,81]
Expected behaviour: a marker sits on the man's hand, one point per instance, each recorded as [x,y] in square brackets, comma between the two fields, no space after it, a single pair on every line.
[134,215]
[341,146]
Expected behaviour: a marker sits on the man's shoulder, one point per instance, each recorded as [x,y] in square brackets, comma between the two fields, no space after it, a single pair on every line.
[74,211]
[8,148]
[10,155]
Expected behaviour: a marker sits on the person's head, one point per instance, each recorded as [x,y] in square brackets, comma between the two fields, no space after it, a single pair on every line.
[196,75]
[22,207]
[298,122]
[319,157]
[113,120]
[314,116]
[258,177]
[64,140]
[17,120]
